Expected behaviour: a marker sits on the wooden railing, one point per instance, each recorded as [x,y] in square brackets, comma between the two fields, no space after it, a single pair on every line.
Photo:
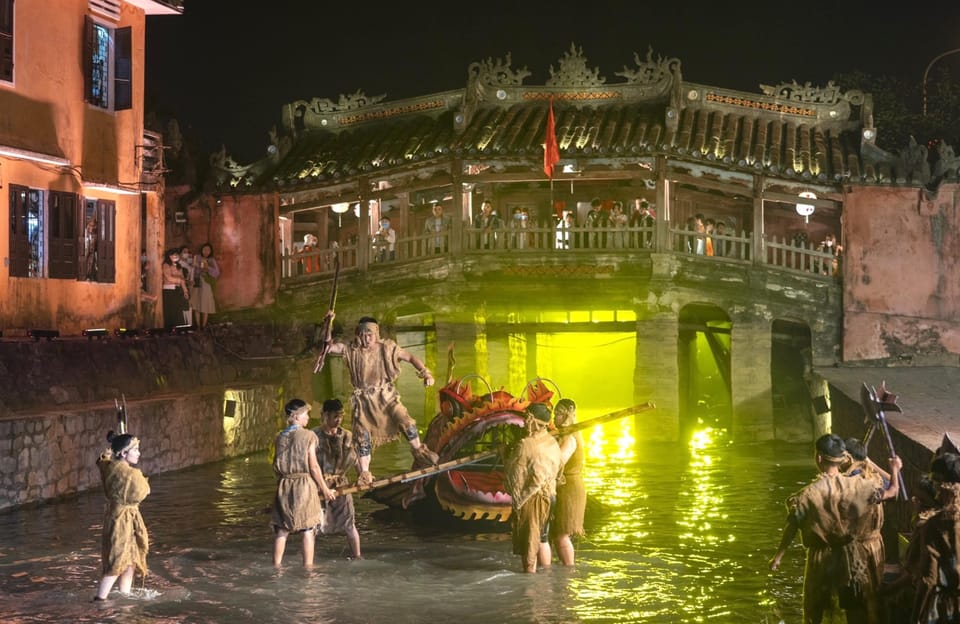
[735,247]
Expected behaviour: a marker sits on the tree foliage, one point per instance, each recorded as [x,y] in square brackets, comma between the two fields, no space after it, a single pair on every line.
[898,108]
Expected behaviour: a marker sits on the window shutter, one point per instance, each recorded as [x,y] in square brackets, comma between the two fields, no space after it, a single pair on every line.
[123,69]
[6,40]
[106,244]
[19,239]
[61,263]
[87,53]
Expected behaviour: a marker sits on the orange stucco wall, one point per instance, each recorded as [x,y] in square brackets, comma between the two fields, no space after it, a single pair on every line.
[43,111]
[901,274]
[243,231]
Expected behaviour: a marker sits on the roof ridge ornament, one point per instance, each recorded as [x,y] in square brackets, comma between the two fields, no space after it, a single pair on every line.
[499,72]
[651,71]
[795,92]
[573,71]
[352,101]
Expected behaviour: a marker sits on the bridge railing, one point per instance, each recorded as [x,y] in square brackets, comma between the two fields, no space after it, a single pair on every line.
[533,240]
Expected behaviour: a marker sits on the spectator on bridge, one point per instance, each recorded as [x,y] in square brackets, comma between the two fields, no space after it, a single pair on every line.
[438,226]
[643,217]
[518,226]
[618,222]
[385,241]
[720,245]
[489,225]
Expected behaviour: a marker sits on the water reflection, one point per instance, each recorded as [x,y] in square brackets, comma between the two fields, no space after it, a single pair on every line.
[683,535]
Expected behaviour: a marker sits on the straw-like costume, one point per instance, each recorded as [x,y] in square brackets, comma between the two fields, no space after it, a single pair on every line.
[571,495]
[376,402]
[531,472]
[933,561]
[336,455]
[296,507]
[125,539]
[839,519]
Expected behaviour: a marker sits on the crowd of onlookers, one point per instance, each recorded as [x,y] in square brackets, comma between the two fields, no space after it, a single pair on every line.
[188,281]
[601,224]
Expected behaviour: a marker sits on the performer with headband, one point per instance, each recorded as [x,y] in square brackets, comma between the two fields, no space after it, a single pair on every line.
[378,415]
[125,539]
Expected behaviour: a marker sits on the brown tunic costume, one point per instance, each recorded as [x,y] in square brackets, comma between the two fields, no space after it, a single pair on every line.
[125,539]
[336,456]
[933,561]
[839,519]
[376,403]
[571,495]
[296,506]
[531,472]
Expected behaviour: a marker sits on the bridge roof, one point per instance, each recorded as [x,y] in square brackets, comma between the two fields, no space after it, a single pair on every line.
[790,131]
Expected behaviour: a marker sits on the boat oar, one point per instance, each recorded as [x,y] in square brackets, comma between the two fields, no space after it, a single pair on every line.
[420,473]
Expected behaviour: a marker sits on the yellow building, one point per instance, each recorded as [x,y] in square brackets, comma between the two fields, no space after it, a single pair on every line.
[80,181]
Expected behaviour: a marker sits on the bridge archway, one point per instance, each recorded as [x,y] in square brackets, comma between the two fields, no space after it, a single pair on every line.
[703,354]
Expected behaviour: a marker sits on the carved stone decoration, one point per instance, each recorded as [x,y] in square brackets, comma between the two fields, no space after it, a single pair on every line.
[914,163]
[650,71]
[795,92]
[573,71]
[948,163]
[497,72]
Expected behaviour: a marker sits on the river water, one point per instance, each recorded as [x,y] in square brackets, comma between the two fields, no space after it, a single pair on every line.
[685,537]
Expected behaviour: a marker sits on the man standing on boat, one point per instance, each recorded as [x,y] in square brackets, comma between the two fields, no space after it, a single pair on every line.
[378,415]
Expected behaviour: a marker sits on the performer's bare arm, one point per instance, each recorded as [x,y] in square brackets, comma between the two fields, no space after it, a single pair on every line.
[893,490]
[422,371]
[789,532]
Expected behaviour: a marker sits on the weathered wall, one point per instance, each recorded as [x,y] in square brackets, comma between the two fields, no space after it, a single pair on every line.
[242,230]
[57,402]
[902,275]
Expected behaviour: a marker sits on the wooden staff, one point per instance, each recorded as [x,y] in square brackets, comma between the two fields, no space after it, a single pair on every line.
[326,332]
[420,473]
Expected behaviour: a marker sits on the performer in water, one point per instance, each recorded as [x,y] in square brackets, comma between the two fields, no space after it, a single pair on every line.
[125,539]
[378,415]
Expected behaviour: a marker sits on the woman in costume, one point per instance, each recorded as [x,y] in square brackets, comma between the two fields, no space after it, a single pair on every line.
[125,539]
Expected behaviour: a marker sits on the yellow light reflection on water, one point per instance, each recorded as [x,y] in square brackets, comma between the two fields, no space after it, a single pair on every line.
[681,571]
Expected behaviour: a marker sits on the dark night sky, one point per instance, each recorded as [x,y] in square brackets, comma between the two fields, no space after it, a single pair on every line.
[225,68]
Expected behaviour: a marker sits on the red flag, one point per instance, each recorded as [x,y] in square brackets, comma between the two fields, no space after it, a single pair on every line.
[551,151]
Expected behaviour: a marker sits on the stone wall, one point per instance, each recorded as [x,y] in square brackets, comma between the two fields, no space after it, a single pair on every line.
[192,399]
[53,455]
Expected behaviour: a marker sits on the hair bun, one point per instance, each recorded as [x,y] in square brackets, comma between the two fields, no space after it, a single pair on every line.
[111,435]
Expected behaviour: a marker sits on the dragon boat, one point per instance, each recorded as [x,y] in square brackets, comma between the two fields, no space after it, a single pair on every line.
[467,425]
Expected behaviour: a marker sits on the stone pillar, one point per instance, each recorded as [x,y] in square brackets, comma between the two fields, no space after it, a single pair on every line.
[750,394]
[656,377]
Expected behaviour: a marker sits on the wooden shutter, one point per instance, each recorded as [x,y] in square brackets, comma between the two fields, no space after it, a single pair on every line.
[6,40]
[87,58]
[19,238]
[62,237]
[106,241]
[123,69]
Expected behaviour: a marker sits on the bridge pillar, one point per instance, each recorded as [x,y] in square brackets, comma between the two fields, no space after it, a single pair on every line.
[656,376]
[751,391]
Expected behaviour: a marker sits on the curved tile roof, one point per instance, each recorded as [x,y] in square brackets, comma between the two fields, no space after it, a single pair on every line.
[790,131]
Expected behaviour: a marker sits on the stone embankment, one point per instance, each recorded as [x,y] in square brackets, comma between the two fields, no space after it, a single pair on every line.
[191,398]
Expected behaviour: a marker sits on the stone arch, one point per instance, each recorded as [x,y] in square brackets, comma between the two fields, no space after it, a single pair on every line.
[703,364]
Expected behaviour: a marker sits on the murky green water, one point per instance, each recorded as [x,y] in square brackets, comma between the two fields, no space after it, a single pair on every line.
[687,537]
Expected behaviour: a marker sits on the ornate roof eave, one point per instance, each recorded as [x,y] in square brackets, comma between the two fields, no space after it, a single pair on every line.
[358,108]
